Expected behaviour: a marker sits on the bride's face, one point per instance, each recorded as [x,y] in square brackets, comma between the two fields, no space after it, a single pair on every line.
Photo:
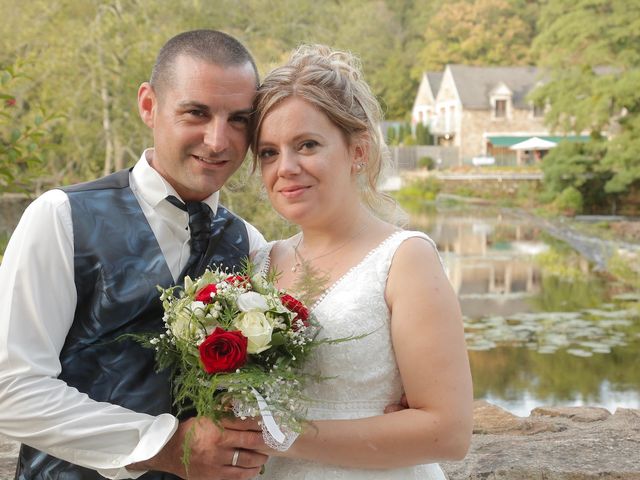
[306,163]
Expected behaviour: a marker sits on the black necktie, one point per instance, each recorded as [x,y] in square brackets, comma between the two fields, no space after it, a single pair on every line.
[200,228]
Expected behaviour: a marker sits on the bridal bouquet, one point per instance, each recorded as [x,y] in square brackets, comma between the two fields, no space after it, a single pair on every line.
[236,343]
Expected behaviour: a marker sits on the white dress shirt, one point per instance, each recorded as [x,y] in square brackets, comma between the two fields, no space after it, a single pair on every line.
[37,305]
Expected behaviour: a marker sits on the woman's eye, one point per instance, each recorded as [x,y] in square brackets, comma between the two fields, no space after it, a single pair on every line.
[308,145]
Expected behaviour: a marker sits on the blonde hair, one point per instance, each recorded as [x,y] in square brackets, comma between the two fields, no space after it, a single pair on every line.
[332,81]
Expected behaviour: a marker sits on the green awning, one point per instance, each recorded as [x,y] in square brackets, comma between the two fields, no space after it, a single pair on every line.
[505,142]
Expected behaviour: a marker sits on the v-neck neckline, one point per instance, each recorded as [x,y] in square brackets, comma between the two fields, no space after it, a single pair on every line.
[339,280]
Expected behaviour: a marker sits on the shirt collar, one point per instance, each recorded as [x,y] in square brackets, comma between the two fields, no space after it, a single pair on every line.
[152,186]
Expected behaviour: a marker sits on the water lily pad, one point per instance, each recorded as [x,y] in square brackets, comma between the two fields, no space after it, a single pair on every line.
[547,349]
[630,296]
[578,352]
[596,347]
[607,313]
[481,345]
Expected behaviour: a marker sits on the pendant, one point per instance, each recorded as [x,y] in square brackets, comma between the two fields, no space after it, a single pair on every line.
[294,269]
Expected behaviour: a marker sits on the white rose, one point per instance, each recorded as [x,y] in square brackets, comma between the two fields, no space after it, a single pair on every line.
[255,326]
[198,308]
[181,326]
[252,301]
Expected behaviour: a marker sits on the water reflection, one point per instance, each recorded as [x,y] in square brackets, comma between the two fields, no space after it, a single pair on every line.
[542,329]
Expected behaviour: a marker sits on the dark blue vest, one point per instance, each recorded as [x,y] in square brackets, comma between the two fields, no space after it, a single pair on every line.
[118,264]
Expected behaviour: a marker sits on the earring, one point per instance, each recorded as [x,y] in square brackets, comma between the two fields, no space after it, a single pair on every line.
[359,167]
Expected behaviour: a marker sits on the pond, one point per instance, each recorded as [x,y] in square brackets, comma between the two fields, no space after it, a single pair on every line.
[542,328]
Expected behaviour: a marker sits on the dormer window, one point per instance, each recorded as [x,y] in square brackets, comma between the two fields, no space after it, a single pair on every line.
[500,109]
[500,100]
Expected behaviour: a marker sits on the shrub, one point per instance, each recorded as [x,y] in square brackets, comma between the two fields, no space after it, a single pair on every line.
[569,202]
[418,192]
[426,162]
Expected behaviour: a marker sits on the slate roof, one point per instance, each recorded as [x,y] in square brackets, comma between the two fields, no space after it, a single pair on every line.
[474,84]
[423,96]
[435,79]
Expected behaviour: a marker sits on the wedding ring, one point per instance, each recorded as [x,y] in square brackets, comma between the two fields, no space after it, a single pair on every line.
[234,460]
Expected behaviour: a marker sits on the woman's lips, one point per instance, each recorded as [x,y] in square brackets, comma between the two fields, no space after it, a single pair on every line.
[293,191]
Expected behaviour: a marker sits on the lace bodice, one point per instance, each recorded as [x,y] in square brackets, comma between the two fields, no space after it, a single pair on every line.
[363,374]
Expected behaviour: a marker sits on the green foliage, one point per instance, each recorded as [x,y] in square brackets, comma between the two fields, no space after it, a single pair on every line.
[392,136]
[591,51]
[623,156]
[406,134]
[4,241]
[414,195]
[402,134]
[626,269]
[569,202]
[25,134]
[478,32]
[90,74]
[423,135]
[426,162]
[566,286]
[577,165]
[409,140]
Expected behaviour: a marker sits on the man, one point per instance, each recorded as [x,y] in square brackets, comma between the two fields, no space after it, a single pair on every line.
[81,270]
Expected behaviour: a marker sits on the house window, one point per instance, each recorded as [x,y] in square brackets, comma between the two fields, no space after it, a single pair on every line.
[500,109]
[538,111]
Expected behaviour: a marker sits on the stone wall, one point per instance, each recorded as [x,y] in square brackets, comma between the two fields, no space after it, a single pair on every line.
[560,443]
[476,123]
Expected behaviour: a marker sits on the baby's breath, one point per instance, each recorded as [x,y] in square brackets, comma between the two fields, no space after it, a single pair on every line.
[276,372]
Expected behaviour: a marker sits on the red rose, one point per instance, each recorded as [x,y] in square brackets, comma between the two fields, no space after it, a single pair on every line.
[296,306]
[204,295]
[223,351]
[238,280]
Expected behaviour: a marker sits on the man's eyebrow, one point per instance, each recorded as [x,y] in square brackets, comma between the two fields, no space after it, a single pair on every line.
[195,105]
[244,111]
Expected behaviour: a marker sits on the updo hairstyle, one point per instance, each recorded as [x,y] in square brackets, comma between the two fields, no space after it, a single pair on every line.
[333,82]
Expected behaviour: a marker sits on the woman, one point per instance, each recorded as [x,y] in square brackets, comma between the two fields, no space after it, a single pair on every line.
[320,154]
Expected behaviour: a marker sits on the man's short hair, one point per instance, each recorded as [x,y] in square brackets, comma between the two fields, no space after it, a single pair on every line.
[211,46]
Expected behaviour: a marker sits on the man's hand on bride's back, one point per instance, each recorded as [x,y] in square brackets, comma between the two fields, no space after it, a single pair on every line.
[396,407]
[214,452]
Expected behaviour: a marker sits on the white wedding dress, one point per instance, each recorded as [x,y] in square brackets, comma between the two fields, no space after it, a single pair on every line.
[365,377]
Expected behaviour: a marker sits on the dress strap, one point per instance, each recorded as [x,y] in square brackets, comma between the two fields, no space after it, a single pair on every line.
[392,244]
[261,258]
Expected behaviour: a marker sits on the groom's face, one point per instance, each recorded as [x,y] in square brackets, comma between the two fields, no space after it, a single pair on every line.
[200,122]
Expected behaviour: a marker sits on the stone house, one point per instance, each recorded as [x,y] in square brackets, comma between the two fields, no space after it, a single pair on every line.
[482,111]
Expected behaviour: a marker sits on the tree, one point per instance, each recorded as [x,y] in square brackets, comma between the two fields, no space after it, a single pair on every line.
[476,32]
[423,136]
[392,135]
[90,74]
[590,50]
[577,167]
[25,134]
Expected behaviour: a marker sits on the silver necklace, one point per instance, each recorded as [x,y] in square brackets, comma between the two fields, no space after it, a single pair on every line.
[300,260]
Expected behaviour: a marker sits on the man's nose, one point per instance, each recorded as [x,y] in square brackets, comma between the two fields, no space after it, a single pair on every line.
[216,135]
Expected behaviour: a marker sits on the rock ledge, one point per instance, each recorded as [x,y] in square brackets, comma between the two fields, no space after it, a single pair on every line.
[553,443]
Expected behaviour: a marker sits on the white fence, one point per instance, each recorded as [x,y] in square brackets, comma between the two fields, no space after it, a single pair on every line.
[406,158]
